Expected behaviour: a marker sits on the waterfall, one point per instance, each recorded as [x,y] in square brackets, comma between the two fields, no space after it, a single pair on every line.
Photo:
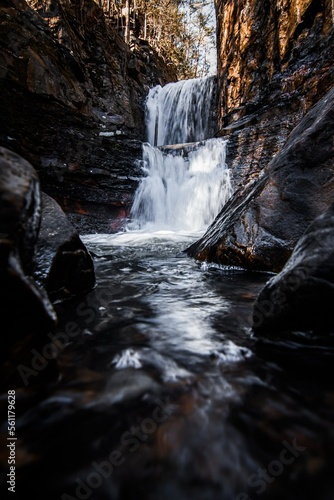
[180,112]
[185,184]
[182,192]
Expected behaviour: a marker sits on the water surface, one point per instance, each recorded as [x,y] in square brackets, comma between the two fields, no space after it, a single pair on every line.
[164,392]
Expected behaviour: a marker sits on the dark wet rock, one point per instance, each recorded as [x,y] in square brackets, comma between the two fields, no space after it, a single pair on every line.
[73,106]
[62,263]
[20,205]
[260,225]
[95,186]
[25,308]
[301,296]
[41,257]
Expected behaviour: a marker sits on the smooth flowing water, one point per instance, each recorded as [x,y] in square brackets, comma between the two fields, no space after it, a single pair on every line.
[182,190]
[180,112]
[160,389]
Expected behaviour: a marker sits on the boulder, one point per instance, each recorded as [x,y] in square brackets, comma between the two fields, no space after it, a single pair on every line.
[301,296]
[19,205]
[62,263]
[25,308]
[261,224]
[42,258]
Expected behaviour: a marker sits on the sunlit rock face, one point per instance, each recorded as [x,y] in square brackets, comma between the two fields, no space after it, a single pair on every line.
[272,48]
[275,61]
[275,66]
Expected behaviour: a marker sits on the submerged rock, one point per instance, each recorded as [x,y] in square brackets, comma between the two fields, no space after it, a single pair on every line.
[260,225]
[62,263]
[301,296]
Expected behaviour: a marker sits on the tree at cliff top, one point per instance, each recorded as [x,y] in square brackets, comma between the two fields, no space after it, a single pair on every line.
[182,31]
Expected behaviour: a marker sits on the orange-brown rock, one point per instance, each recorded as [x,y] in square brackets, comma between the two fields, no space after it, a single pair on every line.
[272,48]
[275,61]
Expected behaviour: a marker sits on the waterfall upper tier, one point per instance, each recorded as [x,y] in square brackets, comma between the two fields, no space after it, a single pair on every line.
[181,112]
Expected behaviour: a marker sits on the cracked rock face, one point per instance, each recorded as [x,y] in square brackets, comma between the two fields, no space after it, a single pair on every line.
[271,52]
[275,61]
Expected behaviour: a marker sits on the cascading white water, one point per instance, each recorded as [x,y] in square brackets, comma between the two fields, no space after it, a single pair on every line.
[179,112]
[182,192]
[184,188]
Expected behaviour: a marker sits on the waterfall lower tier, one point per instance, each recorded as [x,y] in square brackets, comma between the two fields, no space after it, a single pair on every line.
[184,187]
[180,112]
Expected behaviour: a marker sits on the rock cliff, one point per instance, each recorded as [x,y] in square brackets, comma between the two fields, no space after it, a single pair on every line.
[275,64]
[275,61]
[72,101]
[260,225]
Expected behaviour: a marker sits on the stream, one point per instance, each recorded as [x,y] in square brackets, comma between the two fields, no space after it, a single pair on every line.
[164,392]
[159,388]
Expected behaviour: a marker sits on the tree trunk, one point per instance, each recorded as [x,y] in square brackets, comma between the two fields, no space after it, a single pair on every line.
[127,21]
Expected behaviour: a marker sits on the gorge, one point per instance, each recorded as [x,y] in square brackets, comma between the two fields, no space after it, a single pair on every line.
[166,258]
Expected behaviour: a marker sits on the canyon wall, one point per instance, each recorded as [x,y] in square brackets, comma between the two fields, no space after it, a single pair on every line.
[72,103]
[275,61]
[275,75]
